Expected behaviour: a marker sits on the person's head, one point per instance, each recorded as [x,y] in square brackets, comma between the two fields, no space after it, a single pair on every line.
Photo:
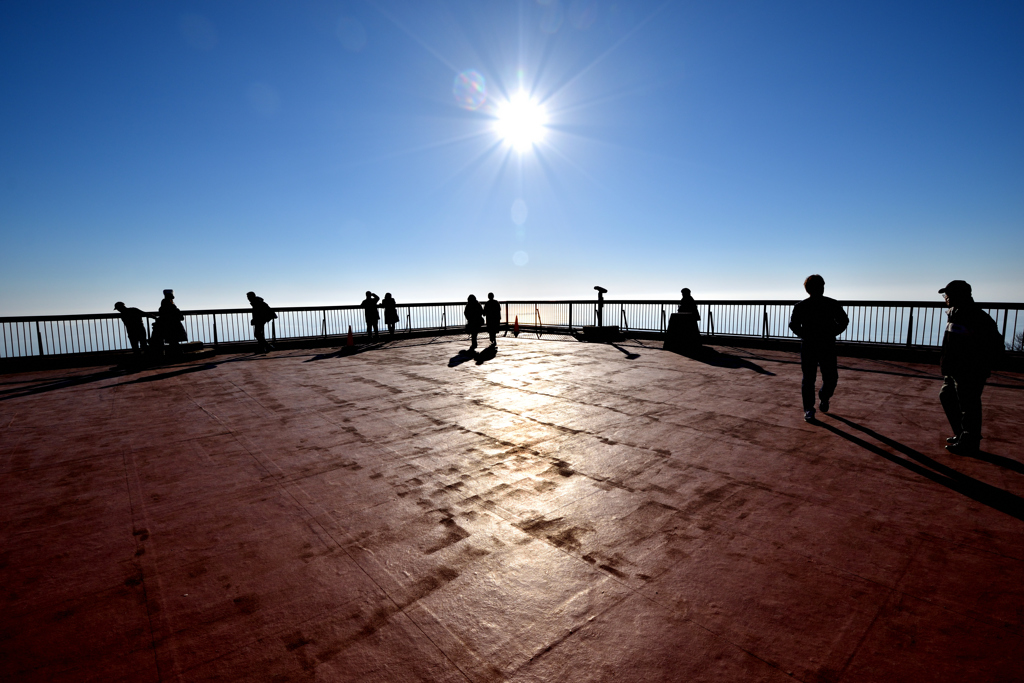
[387,295]
[814,285]
[119,306]
[685,291]
[168,293]
[956,293]
[490,296]
[471,298]
[368,294]
[250,295]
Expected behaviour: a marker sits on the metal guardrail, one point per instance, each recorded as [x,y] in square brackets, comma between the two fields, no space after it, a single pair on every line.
[905,323]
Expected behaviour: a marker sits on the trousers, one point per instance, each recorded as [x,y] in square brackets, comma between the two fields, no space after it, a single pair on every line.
[961,401]
[811,357]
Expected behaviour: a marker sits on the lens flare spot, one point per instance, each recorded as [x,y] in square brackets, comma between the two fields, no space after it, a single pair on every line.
[352,34]
[583,14]
[521,122]
[470,90]
[520,258]
[552,18]
[519,212]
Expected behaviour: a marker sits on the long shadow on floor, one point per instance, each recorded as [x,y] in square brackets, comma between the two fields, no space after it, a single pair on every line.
[629,354]
[61,383]
[718,359]
[168,375]
[919,463]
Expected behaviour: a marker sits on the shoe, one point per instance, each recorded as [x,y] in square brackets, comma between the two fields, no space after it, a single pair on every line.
[823,405]
[953,440]
[965,444]
[809,415]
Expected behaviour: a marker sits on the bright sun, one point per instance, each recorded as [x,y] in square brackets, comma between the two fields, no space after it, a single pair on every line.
[521,122]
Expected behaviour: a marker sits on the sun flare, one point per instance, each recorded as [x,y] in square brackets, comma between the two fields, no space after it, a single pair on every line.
[521,122]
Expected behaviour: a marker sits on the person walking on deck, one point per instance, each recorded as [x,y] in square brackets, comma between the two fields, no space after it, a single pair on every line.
[818,320]
[369,305]
[969,347]
[262,314]
[492,312]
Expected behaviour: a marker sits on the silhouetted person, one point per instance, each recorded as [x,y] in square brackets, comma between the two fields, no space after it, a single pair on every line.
[474,318]
[369,305]
[390,307]
[690,331]
[818,320]
[969,345]
[262,314]
[168,328]
[132,319]
[492,311]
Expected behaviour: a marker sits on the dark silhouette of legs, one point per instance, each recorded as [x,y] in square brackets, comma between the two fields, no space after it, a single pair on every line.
[809,365]
[811,357]
[829,377]
[961,401]
[261,337]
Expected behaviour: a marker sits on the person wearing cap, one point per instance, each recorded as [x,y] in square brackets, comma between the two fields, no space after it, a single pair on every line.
[818,320]
[969,345]
[262,314]
[132,319]
[369,306]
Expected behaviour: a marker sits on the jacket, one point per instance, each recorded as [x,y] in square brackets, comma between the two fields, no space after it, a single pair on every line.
[262,313]
[818,320]
[971,343]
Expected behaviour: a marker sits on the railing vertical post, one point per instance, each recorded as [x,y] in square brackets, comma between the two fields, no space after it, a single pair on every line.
[273,330]
[215,340]
[711,322]
[1006,314]
[39,338]
[910,328]
[663,317]
[323,322]
[570,317]
[765,308]
[444,318]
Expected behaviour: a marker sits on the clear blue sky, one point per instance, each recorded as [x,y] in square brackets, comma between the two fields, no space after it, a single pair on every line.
[313,150]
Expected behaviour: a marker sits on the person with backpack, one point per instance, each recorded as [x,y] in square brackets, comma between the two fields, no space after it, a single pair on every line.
[262,314]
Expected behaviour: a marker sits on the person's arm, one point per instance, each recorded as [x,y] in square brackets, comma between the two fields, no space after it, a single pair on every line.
[842,320]
[796,322]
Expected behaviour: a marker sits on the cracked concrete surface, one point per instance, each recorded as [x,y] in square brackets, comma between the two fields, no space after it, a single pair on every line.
[559,512]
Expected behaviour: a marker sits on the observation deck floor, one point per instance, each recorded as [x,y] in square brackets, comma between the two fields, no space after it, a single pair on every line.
[559,512]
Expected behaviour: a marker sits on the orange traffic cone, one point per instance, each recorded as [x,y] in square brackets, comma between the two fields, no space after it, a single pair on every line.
[350,341]
[515,330]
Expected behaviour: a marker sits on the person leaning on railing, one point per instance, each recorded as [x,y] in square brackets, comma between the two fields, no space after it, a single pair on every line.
[970,346]
[390,307]
[132,319]
[369,306]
